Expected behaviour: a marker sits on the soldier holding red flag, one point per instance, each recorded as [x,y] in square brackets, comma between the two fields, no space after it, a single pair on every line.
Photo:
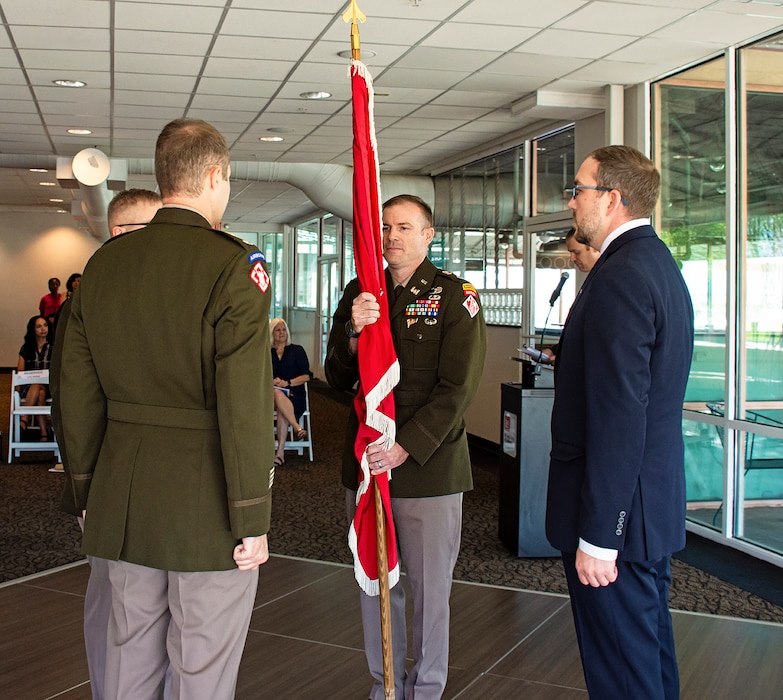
[439,334]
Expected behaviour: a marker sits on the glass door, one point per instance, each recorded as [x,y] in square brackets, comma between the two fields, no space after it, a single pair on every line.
[328,297]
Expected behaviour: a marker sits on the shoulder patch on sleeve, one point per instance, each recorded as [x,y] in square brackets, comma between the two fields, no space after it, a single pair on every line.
[259,276]
[472,305]
[256,255]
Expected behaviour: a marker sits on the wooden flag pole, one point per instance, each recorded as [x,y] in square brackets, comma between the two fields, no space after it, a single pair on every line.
[383,585]
[354,15]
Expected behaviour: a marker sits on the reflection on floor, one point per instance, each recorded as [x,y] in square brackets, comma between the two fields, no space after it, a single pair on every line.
[762,523]
[305,640]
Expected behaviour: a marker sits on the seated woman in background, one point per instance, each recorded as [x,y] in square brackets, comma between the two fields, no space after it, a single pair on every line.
[35,353]
[291,371]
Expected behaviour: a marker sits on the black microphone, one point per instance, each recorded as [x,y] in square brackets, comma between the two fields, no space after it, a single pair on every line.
[552,300]
[558,289]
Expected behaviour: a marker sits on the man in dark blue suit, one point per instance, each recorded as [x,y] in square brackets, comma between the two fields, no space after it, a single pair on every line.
[616,496]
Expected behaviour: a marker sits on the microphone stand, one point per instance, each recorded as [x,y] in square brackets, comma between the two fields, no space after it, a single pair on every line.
[537,368]
[552,299]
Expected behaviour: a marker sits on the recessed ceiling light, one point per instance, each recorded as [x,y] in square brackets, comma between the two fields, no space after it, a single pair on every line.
[69,83]
[56,200]
[271,138]
[38,170]
[280,130]
[316,95]
[347,53]
[79,132]
[48,184]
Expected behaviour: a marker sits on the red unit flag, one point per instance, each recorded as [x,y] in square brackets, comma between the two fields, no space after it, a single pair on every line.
[379,370]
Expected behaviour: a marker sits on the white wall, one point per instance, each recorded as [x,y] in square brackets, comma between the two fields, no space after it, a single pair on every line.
[588,135]
[637,131]
[483,416]
[34,246]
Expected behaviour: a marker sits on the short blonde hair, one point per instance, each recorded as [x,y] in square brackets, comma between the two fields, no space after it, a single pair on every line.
[272,324]
[632,174]
[185,152]
[126,200]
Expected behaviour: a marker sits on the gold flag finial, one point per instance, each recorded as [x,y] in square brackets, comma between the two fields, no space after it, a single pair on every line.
[354,15]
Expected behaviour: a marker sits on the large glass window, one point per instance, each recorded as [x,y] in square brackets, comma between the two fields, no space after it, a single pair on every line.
[759,476]
[349,265]
[760,491]
[478,209]
[704,471]
[691,151]
[306,245]
[555,169]
[331,230]
[480,235]
[727,235]
[761,211]
[470,254]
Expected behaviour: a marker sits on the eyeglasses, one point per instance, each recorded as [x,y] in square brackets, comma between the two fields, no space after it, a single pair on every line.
[574,191]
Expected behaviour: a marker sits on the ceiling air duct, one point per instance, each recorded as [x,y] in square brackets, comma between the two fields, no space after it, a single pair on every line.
[93,174]
[330,186]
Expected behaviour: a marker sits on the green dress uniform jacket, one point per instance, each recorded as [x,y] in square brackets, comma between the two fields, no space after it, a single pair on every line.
[166,396]
[68,502]
[440,339]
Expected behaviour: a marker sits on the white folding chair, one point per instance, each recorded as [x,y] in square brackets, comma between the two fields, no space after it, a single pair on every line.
[291,443]
[16,445]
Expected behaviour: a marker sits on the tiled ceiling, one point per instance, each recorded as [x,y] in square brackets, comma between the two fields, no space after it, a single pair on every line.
[445,71]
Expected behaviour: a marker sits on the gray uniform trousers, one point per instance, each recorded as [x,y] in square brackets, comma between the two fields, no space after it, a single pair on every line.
[97,608]
[195,621]
[428,541]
